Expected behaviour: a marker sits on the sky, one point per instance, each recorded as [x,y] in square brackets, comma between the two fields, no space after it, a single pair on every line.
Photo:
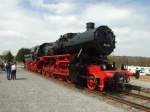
[26,23]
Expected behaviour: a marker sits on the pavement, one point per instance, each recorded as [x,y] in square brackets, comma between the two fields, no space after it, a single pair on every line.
[32,93]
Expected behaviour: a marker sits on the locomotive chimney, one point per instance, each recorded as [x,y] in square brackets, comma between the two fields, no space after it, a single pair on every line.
[90,26]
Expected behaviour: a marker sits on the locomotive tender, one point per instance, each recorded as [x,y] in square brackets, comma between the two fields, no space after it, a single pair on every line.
[80,58]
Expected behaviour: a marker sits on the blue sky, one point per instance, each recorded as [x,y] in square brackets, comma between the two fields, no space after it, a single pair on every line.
[25,23]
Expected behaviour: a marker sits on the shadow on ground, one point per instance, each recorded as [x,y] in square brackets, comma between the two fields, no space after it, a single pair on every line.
[21,78]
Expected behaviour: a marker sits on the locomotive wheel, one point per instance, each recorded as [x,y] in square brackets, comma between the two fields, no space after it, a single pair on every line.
[47,74]
[92,82]
[55,76]
[68,80]
[43,72]
[61,78]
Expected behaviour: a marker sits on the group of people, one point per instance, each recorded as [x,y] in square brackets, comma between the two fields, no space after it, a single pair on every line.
[10,69]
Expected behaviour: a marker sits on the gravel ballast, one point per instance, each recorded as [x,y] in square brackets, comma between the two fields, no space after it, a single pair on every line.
[140,83]
[32,93]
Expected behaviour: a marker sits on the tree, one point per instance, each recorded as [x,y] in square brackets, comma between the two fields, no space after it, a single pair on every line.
[129,60]
[8,57]
[21,53]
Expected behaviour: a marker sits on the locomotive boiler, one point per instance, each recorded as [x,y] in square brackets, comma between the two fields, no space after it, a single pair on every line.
[80,58]
[94,41]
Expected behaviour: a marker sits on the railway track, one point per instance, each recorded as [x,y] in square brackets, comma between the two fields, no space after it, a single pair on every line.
[108,95]
[137,95]
[129,103]
[116,98]
[124,101]
[137,88]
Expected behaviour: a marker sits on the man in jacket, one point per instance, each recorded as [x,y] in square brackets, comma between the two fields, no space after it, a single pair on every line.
[8,70]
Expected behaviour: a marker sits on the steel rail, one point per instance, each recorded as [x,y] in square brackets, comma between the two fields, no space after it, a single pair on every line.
[138,88]
[137,95]
[129,103]
[120,100]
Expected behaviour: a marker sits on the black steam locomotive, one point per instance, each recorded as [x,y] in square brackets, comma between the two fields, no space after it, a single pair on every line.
[87,52]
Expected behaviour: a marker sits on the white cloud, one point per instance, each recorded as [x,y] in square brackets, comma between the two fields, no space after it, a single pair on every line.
[105,13]
[40,22]
[61,8]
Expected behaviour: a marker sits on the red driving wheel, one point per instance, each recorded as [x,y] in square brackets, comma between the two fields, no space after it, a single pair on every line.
[92,82]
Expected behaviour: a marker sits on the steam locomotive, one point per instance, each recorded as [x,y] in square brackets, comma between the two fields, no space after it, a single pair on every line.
[80,58]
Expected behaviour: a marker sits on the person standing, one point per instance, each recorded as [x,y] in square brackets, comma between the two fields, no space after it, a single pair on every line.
[8,70]
[2,66]
[13,71]
[5,66]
